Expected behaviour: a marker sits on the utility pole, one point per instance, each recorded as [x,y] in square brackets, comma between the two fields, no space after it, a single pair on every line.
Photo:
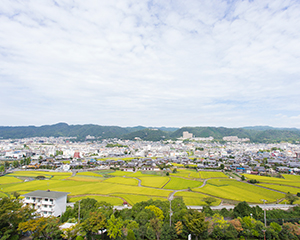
[265,218]
[171,212]
[79,211]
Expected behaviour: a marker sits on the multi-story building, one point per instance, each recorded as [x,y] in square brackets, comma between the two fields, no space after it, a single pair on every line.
[47,203]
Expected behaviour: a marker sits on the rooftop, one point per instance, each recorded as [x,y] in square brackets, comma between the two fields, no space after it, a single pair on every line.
[44,194]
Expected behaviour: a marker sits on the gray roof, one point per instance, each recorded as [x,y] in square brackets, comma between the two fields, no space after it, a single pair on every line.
[45,194]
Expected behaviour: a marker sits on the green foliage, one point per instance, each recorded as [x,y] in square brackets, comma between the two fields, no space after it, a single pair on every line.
[12,213]
[130,235]
[195,222]
[157,212]
[291,198]
[42,228]
[114,227]
[209,200]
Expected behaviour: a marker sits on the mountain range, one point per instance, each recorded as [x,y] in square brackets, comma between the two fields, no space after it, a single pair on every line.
[255,133]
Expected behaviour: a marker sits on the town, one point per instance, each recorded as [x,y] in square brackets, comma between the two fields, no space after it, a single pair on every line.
[233,154]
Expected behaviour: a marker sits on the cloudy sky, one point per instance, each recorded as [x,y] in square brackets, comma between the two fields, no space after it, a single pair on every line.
[156,63]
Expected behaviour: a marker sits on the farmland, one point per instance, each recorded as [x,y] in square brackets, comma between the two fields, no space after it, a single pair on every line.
[118,186]
[238,191]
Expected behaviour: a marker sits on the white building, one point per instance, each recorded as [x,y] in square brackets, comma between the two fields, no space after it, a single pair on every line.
[47,203]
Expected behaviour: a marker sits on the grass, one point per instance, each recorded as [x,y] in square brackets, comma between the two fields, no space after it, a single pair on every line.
[208,174]
[281,188]
[280,181]
[122,180]
[91,174]
[6,180]
[181,183]
[157,182]
[120,173]
[142,174]
[112,200]
[133,199]
[33,174]
[238,191]
[194,198]
[194,175]
[183,173]
[291,177]
[85,179]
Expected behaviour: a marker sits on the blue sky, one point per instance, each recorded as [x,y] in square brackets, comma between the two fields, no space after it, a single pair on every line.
[151,63]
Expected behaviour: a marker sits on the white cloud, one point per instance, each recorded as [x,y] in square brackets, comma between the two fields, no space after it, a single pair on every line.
[152,63]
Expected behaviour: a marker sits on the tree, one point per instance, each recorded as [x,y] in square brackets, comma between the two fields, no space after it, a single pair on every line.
[42,228]
[209,200]
[291,198]
[156,225]
[157,212]
[178,227]
[242,209]
[129,225]
[114,227]
[195,222]
[94,223]
[11,214]
[130,235]
[71,232]
[243,178]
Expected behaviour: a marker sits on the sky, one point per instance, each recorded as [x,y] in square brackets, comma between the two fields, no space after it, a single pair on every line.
[153,63]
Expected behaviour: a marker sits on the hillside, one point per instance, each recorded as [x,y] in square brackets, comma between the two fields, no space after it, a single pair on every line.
[255,134]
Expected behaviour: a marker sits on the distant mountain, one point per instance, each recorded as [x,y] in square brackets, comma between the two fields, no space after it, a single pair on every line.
[147,134]
[255,134]
[263,128]
[63,130]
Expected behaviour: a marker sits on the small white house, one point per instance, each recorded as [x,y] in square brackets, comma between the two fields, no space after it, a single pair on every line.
[47,203]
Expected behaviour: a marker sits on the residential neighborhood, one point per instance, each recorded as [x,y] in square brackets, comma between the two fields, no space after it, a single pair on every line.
[63,154]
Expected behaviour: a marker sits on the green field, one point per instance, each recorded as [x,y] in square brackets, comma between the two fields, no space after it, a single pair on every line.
[281,188]
[157,182]
[181,183]
[289,180]
[122,180]
[112,200]
[91,174]
[6,180]
[194,198]
[85,179]
[208,174]
[134,198]
[117,186]
[238,191]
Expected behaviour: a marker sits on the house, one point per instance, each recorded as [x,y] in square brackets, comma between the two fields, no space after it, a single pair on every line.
[47,203]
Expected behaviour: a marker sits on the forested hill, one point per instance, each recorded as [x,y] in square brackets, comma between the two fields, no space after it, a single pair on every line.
[255,134]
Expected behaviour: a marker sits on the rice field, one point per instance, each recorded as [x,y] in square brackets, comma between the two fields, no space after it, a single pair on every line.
[134,198]
[117,187]
[116,201]
[120,173]
[194,198]
[181,183]
[183,173]
[157,182]
[85,179]
[6,180]
[281,188]
[208,174]
[90,174]
[290,181]
[291,177]
[238,191]
[122,180]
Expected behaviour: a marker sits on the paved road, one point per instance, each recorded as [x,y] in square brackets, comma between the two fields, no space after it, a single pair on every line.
[263,206]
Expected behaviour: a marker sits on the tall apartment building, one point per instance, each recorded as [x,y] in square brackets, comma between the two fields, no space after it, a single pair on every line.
[47,203]
[187,135]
